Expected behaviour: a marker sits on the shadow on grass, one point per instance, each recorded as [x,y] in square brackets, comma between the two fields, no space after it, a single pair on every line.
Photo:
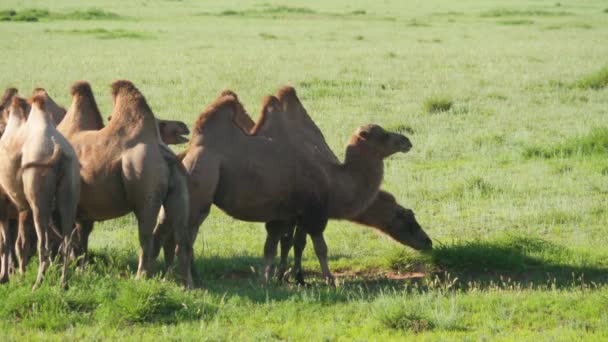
[524,261]
[503,263]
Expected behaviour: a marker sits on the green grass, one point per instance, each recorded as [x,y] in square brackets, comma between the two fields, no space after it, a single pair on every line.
[35,14]
[596,81]
[508,175]
[593,143]
[436,104]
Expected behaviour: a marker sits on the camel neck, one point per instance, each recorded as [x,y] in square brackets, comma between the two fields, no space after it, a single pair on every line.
[356,182]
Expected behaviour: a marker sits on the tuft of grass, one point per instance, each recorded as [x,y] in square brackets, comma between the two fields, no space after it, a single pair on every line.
[406,318]
[101,33]
[593,143]
[35,14]
[358,12]
[30,15]
[596,81]
[437,104]
[359,37]
[149,302]
[516,22]
[605,10]
[503,12]
[267,36]
[426,312]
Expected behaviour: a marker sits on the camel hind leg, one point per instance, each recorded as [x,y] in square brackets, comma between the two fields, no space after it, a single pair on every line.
[286,244]
[26,240]
[5,245]
[314,221]
[68,191]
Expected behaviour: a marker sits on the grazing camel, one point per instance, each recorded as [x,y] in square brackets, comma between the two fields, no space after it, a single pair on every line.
[254,178]
[293,125]
[126,168]
[40,175]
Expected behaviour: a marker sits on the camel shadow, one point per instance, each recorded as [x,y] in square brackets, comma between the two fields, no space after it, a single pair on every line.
[517,261]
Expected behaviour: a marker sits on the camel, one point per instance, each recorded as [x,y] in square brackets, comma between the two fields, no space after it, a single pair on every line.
[17,236]
[254,178]
[57,112]
[40,175]
[294,125]
[172,131]
[126,168]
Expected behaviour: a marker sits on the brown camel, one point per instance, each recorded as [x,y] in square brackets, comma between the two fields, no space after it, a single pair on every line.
[40,174]
[126,168]
[254,178]
[384,213]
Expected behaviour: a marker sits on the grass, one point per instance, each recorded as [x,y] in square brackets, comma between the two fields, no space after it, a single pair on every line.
[437,104]
[593,143]
[507,176]
[101,33]
[35,14]
[596,81]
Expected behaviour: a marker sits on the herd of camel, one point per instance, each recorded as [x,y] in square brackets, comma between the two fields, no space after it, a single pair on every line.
[61,171]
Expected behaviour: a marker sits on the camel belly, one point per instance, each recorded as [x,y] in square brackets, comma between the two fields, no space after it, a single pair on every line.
[103,199]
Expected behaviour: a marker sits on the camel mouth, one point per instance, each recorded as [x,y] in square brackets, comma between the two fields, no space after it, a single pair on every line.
[181,139]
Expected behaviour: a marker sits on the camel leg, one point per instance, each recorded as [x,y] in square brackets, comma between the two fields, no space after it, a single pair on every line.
[274,231]
[286,243]
[318,242]
[299,243]
[313,222]
[67,201]
[41,221]
[5,248]
[81,232]
[24,245]
[146,220]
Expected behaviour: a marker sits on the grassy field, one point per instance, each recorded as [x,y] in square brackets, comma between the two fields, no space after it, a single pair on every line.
[506,104]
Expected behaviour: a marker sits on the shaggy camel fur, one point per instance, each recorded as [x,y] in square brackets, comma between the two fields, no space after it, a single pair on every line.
[40,174]
[126,168]
[254,178]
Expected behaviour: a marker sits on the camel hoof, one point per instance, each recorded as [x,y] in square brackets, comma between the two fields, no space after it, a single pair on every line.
[4,279]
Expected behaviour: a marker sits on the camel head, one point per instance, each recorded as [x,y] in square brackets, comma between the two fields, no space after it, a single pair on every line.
[172,132]
[404,228]
[374,138]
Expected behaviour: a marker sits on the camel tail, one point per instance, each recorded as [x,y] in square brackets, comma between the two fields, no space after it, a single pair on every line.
[49,162]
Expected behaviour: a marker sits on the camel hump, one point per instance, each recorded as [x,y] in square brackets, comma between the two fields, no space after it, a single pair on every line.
[38,101]
[39,91]
[288,97]
[270,104]
[131,106]
[228,92]
[82,88]
[19,103]
[221,106]
[9,93]
[124,87]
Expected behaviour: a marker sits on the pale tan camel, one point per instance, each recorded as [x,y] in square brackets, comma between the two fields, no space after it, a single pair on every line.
[40,174]
[57,112]
[126,168]
[254,178]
